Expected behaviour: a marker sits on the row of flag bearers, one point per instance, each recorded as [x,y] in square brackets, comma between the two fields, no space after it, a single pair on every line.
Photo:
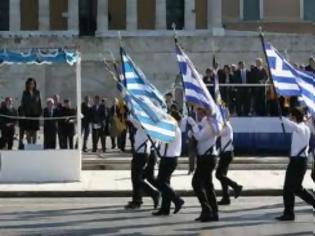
[158,135]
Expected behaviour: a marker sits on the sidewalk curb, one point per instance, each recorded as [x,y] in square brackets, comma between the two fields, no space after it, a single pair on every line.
[120,193]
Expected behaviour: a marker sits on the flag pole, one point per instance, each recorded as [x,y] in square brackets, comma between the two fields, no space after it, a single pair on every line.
[176,44]
[262,39]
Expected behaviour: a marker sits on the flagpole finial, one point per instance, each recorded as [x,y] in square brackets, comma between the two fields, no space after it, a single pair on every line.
[260,30]
[119,38]
[175,32]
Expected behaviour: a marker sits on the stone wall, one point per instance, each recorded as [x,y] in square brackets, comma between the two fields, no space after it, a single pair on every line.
[154,54]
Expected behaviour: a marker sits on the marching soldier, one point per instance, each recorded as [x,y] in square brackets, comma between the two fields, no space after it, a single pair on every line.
[297,166]
[226,157]
[169,153]
[206,137]
[141,152]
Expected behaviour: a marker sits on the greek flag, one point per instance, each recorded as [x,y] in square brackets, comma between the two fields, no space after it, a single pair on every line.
[290,81]
[145,104]
[196,91]
[137,84]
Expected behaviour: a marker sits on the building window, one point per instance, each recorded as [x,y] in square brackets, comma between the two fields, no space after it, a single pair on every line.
[4,15]
[117,14]
[58,11]
[251,10]
[175,10]
[87,17]
[309,10]
[29,14]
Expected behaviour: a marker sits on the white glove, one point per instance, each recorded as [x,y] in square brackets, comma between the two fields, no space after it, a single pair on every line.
[189,134]
[191,121]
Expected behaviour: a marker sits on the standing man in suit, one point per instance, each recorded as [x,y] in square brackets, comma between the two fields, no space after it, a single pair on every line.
[98,119]
[260,75]
[67,126]
[58,110]
[8,125]
[243,98]
[50,126]
[86,112]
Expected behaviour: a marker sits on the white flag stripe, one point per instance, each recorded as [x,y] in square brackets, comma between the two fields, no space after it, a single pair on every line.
[286,86]
[131,75]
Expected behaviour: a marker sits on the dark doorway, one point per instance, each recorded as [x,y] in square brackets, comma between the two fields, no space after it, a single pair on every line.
[175,13]
[87,15]
[4,15]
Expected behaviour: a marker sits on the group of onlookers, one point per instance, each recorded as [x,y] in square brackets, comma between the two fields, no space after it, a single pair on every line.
[59,120]
[102,121]
[250,91]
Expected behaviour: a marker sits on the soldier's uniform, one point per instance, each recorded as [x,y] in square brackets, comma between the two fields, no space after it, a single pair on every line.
[226,157]
[141,152]
[296,169]
[202,184]
[169,153]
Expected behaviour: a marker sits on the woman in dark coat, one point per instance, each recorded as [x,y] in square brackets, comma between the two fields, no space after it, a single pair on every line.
[31,105]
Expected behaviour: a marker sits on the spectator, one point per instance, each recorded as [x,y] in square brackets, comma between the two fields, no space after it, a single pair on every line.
[226,78]
[122,113]
[21,128]
[31,105]
[260,76]
[243,96]
[86,112]
[272,101]
[50,126]
[113,123]
[8,124]
[107,119]
[311,66]
[169,100]
[209,80]
[66,125]
[58,111]
[98,119]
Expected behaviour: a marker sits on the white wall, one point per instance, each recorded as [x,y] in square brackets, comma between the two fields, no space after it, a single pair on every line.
[40,166]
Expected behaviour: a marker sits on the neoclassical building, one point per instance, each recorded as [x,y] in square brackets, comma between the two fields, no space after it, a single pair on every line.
[102,17]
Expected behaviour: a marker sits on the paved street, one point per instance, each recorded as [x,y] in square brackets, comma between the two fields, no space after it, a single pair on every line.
[105,216]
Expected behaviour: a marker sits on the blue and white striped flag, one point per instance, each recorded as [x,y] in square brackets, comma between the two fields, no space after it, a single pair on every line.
[196,91]
[136,82]
[290,81]
[145,104]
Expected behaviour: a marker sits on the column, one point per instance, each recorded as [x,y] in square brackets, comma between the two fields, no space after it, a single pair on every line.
[43,15]
[73,16]
[302,9]
[261,9]
[131,14]
[102,17]
[160,14]
[190,15]
[15,15]
[215,17]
